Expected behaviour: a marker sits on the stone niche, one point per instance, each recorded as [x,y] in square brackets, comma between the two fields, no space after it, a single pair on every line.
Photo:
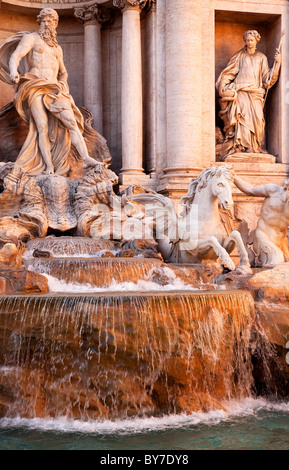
[229,29]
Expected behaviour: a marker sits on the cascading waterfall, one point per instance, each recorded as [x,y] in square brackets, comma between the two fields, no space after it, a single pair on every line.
[98,272]
[155,347]
[123,355]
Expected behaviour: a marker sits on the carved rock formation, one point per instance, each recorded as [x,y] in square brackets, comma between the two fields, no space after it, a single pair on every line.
[271,284]
[104,215]
[93,197]
[23,212]
[21,281]
[10,256]
[58,194]
[142,248]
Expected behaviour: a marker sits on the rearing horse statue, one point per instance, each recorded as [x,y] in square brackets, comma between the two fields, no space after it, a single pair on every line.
[199,233]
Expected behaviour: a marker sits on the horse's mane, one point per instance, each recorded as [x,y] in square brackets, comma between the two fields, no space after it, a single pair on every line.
[201,182]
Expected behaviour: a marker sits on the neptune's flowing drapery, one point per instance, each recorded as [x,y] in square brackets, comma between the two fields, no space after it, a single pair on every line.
[55,98]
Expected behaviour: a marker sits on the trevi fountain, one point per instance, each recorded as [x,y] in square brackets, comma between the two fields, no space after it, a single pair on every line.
[144,258]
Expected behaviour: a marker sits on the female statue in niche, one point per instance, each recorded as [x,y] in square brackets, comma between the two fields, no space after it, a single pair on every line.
[243,86]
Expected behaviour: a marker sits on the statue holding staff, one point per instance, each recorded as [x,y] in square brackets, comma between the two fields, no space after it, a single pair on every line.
[243,86]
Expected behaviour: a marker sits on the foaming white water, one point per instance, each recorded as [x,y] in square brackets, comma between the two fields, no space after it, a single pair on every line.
[146,285]
[274,306]
[28,254]
[235,410]
[251,406]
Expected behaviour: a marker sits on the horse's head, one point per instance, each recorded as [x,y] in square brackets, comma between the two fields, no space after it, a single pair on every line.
[217,180]
[221,186]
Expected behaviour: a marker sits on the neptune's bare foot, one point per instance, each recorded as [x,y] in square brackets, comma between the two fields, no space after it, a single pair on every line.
[49,170]
[90,162]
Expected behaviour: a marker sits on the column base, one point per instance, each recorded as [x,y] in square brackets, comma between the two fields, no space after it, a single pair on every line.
[138,179]
[131,171]
[175,181]
[183,171]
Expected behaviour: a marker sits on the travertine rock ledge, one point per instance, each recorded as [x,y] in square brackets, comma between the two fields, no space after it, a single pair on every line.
[22,281]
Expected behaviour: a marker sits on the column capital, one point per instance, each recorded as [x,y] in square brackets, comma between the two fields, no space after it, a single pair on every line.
[92,14]
[131,4]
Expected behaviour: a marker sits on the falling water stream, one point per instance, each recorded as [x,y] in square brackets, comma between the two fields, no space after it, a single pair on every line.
[94,271]
[121,355]
[124,363]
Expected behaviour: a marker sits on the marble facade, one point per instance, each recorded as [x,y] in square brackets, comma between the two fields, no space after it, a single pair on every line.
[147,71]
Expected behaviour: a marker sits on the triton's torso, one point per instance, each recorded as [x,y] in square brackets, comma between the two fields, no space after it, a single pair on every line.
[274,215]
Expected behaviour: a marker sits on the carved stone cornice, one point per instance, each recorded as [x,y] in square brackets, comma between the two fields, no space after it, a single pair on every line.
[92,14]
[125,4]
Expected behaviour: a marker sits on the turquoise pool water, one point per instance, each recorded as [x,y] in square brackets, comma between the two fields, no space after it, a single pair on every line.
[252,424]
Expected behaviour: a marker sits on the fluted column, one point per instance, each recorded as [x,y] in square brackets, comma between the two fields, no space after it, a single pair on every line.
[183,85]
[132,102]
[160,92]
[150,89]
[93,17]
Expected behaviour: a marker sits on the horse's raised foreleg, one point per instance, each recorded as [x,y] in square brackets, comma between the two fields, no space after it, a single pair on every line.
[212,242]
[233,240]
